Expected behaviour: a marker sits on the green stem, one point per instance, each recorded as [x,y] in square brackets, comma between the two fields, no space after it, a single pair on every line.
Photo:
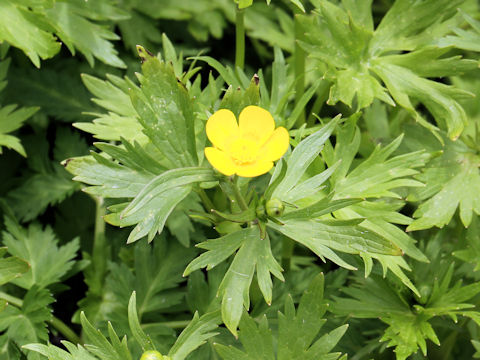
[63,329]
[11,299]
[287,252]
[99,250]
[238,196]
[207,203]
[322,95]
[299,63]
[96,271]
[58,324]
[240,39]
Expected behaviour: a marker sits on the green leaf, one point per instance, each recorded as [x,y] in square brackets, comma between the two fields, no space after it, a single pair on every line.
[253,253]
[298,4]
[38,247]
[25,30]
[234,288]
[204,17]
[464,39]
[378,176]
[470,252]
[166,111]
[121,120]
[165,182]
[282,85]
[155,276]
[27,324]
[452,181]
[302,156]
[408,336]
[100,346]
[244,3]
[139,29]
[136,180]
[411,323]
[150,219]
[321,207]
[79,33]
[218,250]
[440,99]
[297,330]
[236,99]
[53,352]
[31,28]
[197,332]
[56,89]
[476,345]
[375,176]
[227,73]
[273,26]
[381,217]
[109,179]
[11,267]
[49,184]
[359,57]
[324,237]
[11,119]
[139,335]
[302,103]
[257,342]
[10,350]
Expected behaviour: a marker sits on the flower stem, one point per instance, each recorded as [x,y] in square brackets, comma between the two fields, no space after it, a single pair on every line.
[299,63]
[207,203]
[58,324]
[240,39]
[238,196]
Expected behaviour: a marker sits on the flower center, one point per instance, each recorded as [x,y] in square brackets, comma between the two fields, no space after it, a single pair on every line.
[243,151]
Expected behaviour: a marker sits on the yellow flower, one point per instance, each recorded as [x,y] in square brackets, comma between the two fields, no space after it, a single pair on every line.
[248,148]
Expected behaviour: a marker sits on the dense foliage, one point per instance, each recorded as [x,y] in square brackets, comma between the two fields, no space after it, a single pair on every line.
[119,238]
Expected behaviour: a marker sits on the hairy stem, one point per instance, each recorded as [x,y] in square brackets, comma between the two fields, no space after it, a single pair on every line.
[207,203]
[299,63]
[238,196]
[55,322]
[240,39]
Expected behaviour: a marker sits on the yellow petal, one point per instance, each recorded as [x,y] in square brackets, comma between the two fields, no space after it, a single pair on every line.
[256,169]
[220,161]
[221,128]
[256,124]
[276,146]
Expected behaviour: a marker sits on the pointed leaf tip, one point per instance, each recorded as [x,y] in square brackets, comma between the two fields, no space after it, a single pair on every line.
[143,53]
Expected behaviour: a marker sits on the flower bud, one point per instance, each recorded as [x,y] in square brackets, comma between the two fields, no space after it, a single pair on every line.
[275,207]
[153,355]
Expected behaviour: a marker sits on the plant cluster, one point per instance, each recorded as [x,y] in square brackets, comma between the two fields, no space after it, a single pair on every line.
[239,179]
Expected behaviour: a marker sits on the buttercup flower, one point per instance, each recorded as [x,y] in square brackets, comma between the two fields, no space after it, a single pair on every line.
[248,148]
